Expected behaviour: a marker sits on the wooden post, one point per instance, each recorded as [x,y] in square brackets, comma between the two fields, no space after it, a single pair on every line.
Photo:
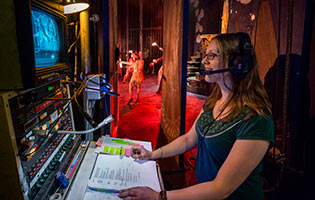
[173,93]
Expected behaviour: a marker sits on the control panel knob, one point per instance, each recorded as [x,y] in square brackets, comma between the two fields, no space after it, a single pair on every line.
[39,185]
[45,175]
[48,171]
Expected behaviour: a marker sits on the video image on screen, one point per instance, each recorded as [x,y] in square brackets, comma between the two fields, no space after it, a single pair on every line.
[46,36]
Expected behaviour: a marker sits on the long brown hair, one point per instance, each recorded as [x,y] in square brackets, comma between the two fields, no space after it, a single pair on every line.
[247,90]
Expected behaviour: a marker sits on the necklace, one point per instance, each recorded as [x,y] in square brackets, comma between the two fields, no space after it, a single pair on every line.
[215,118]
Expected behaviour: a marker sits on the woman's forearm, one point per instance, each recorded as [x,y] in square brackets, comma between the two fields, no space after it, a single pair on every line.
[203,191]
[178,146]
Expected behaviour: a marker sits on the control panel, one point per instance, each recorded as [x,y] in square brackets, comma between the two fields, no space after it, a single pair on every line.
[36,115]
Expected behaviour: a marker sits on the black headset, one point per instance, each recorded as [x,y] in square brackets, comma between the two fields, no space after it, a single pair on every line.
[239,63]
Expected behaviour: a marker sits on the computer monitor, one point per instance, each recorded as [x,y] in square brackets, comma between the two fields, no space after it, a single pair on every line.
[38,55]
[48,38]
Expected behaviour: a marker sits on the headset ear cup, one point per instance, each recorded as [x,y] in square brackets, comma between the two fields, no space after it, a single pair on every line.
[239,65]
[236,64]
[249,63]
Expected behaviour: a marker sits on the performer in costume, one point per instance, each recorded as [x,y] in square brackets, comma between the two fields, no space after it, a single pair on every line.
[129,67]
[136,79]
[160,73]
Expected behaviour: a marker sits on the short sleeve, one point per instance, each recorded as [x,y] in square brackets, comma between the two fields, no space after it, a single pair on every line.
[257,127]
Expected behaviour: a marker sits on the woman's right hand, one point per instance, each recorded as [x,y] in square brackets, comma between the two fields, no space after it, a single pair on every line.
[138,152]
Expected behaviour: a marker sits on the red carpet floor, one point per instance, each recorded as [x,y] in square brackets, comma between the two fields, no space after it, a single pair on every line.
[141,120]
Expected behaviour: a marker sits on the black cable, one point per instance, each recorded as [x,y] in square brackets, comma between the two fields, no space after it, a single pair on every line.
[106,91]
[49,130]
[55,99]
[85,114]
[72,99]
[83,85]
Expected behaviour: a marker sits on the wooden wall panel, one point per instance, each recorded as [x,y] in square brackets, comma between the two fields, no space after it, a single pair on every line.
[171,102]
[242,16]
[266,44]
[298,23]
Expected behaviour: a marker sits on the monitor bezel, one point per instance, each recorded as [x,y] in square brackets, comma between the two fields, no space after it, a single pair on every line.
[32,76]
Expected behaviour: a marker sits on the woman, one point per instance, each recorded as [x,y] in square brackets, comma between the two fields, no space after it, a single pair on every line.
[232,132]
[160,73]
[129,67]
[136,79]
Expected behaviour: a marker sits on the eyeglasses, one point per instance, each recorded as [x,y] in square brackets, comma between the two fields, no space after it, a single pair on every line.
[208,57]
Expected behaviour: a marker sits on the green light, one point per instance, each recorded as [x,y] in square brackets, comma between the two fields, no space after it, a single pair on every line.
[50,88]
[20,120]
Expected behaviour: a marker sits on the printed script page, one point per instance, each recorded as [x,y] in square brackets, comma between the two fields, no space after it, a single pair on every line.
[113,172]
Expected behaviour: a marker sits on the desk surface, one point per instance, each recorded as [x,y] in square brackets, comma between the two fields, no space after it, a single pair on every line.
[78,189]
[79,185]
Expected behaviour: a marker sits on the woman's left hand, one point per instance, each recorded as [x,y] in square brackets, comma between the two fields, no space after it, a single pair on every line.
[138,193]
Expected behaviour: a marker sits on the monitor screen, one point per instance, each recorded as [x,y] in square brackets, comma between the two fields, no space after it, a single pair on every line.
[47,36]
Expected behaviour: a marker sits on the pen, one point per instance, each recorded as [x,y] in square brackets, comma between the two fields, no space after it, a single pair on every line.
[94,165]
[73,169]
[75,159]
[104,190]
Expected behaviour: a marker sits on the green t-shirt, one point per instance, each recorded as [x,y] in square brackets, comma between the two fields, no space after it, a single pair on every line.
[215,140]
